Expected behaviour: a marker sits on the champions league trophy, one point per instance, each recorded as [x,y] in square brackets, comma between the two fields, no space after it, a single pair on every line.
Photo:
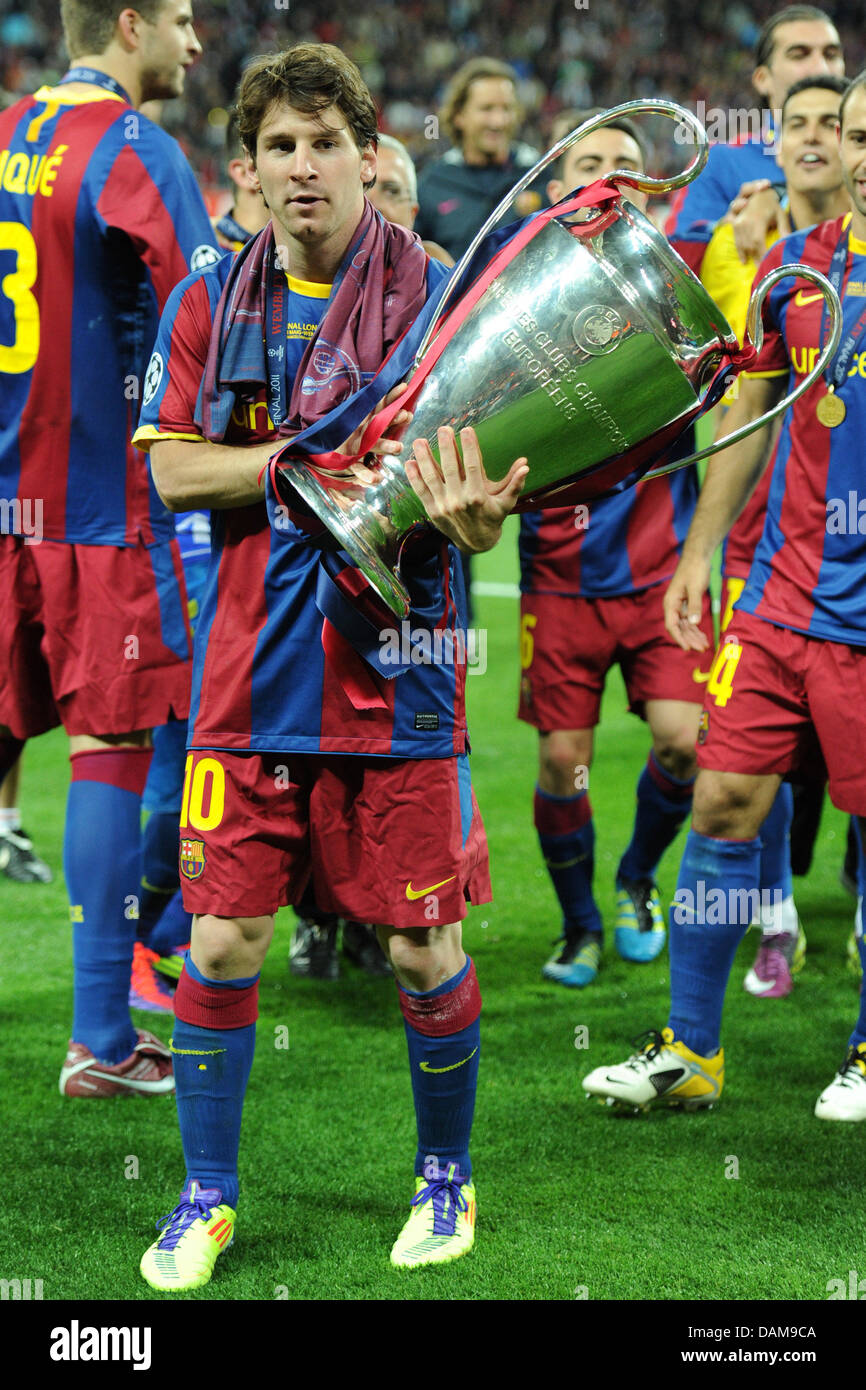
[585,343]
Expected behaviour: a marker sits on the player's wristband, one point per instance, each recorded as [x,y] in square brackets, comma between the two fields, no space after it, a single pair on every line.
[781,192]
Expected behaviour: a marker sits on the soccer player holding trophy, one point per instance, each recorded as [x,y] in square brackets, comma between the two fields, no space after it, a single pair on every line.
[309,761]
[305,765]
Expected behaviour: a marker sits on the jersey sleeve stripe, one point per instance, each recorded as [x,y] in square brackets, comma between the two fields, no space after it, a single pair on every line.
[761,376]
[148,433]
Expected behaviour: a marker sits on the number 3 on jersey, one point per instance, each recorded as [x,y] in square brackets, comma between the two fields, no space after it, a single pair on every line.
[721,680]
[19,355]
[204,785]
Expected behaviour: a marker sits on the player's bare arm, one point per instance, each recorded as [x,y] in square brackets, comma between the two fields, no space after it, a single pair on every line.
[191,476]
[730,480]
[459,498]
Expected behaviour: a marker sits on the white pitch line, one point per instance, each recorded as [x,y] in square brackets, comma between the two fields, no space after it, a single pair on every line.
[489,589]
[486,588]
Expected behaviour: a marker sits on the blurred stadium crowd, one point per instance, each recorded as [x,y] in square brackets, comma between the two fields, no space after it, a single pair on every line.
[567,53]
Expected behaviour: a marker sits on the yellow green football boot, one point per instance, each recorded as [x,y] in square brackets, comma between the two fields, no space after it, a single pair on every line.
[441,1224]
[193,1235]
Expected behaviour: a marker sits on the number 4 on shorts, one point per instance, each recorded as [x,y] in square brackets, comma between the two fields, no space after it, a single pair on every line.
[720,683]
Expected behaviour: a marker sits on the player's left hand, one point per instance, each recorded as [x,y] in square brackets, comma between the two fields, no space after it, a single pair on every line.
[382,446]
[458,496]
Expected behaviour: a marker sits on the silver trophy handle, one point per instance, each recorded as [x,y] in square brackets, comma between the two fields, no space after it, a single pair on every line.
[755,335]
[643,183]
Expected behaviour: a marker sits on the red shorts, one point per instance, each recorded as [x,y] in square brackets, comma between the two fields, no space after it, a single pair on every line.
[569,644]
[780,702]
[93,637]
[397,842]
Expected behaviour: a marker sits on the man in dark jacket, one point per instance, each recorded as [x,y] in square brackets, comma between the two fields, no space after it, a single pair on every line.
[479,113]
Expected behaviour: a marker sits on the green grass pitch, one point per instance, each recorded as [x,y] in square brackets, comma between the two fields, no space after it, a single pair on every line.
[573,1201]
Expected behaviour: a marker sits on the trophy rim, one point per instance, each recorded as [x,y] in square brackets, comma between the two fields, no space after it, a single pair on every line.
[381,578]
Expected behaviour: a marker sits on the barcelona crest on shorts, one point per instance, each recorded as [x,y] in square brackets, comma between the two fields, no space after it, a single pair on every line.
[192,858]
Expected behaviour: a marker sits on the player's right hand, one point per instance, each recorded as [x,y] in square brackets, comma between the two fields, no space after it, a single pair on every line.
[683,603]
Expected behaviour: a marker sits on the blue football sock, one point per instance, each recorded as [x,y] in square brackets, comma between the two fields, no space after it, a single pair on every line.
[102,864]
[663,802]
[709,917]
[775,836]
[211,1070]
[444,1071]
[172,929]
[859,1034]
[160,876]
[566,835]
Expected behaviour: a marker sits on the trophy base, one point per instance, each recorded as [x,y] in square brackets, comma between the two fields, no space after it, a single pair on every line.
[343,525]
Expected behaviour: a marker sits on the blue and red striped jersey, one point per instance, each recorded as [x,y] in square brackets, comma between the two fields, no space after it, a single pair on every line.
[100,217]
[704,202]
[809,571]
[261,678]
[742,539]
[616,546]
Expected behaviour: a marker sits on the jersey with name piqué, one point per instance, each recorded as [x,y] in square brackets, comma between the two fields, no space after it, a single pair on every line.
[100,216]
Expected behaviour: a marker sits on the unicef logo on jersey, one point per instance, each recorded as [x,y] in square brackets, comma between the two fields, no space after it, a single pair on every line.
[327,365]
[152,378]
[202,256]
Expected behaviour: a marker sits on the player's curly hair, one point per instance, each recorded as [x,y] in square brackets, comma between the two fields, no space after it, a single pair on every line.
[457,92]
[88,25]
[309,77]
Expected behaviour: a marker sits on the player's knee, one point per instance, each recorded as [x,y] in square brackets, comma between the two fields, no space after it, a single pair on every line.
[424,958]
[676,753]
[720,808]
[564,759]
[227,947]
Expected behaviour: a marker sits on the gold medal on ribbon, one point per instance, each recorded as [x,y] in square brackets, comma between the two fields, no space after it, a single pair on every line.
[831,410]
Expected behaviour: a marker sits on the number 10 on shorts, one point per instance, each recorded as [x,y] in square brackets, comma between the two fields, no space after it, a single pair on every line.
[204,786]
